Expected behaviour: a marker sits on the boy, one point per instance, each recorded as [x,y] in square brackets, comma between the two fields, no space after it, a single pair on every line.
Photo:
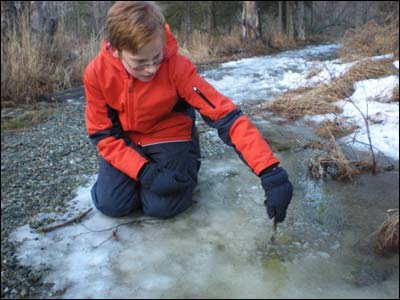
[140,97]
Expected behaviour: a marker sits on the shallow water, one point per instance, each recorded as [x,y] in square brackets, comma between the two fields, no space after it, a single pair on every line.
[221,248]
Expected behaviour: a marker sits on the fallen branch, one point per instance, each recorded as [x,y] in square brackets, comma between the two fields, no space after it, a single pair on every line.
[114,233]
[55,226]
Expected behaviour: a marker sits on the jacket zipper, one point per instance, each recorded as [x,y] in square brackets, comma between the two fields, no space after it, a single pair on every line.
[203,97]
[130,103]
[131,111]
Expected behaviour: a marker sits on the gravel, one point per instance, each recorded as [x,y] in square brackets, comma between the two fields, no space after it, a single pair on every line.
[41,167]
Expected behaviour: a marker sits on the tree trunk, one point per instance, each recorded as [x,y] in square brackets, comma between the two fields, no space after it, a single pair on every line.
[358,14]
[96,15]
[289,21]
[42,23]
[78,20]
[36,16]
[211,18]
[250,23]
[311,28]
[280,23]
[188,21]
[301,35]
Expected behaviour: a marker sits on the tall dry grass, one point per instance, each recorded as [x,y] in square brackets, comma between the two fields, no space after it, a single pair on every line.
[33,65]
[25,65]
[372,39]
[277,38]
[333,162]
[204,48]
[395,97]
[387,235]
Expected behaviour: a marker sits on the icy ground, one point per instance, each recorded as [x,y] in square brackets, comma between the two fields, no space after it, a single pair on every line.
[220,247]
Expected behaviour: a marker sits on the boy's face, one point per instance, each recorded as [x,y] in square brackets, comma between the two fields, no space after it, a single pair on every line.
[145,63]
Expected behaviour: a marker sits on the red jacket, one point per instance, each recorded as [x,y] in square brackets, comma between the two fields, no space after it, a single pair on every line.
[123,113]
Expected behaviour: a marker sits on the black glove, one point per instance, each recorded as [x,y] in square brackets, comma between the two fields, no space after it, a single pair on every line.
[161,180]
[278,191]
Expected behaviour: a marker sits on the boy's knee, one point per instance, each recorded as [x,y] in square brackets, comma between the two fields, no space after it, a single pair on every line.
[160,213]
[112,211]
[166,208]
[112,207]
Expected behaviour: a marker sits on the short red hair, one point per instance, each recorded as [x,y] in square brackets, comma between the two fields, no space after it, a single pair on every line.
[131,25]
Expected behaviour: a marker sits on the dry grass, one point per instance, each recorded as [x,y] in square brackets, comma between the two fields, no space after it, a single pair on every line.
[198,48]
[332,162]
[387,236]
[202,48]
[24,67]
[228,44]
[371,40]
[314,145]
[276,38]
[31,66]
[320,99]
[337,128]
[396,94]
[304,101]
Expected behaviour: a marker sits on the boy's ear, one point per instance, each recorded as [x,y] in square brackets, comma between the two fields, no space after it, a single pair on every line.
[115,53]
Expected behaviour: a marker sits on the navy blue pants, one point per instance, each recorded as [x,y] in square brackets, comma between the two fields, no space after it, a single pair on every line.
[115,194]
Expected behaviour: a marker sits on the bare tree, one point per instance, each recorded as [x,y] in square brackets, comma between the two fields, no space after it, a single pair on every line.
[42,22]
[250,23]
[211,17]
[289,20]
[188,22]
[280,23]
[301,34]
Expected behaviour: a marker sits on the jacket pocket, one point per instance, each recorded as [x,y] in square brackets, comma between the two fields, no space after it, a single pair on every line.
[198,92]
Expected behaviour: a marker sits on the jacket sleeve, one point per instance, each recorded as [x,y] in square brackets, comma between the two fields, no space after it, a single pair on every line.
[220,112]
[105,131]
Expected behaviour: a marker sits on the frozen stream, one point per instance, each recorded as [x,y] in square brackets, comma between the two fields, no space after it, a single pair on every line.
[220,247]
[265,77]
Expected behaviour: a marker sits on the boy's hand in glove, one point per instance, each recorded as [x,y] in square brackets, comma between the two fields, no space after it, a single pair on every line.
[278,191]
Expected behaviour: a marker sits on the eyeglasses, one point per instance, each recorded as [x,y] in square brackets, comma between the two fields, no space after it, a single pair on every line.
[141,67]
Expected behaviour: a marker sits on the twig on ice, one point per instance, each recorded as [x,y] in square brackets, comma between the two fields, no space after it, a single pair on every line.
[73,220]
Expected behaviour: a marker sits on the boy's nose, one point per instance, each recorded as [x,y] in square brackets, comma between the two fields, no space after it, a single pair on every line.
[152,68]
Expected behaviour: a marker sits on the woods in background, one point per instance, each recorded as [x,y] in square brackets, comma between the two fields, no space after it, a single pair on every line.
[45,45]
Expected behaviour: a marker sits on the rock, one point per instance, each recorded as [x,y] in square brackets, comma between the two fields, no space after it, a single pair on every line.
[23,293]
[323,254]
[377,118]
